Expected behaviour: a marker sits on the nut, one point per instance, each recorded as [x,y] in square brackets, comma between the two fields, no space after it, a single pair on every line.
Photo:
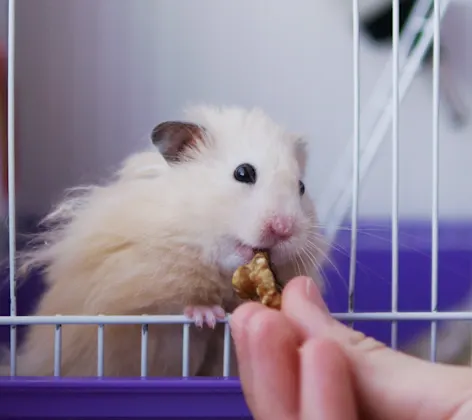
[256,281]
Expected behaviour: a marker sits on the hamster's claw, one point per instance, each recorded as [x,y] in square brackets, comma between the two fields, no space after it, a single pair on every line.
[205,314]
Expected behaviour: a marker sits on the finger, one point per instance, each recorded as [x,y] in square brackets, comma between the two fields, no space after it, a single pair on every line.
[238,322]
[390,384]
[326,383]
[272,346]
[303,304]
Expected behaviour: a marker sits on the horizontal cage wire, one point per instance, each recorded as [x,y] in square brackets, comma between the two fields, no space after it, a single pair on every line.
[405,61]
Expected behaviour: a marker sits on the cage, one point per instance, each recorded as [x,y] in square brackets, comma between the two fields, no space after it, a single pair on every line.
[383,276]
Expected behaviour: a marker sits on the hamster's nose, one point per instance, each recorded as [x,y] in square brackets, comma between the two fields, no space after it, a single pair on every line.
[279,228]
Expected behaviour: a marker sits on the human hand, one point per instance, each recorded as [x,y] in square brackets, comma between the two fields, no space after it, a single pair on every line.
[300,363]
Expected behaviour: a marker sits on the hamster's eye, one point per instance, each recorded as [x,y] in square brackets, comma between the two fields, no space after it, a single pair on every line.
[245,173]
[301,186]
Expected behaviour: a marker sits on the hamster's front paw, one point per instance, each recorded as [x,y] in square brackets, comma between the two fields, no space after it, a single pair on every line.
[205,314]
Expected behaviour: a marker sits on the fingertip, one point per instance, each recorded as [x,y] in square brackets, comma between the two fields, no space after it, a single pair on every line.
[296,282]
[245,311]
[241,316]
[303,304]
[273,352]
[256,321]
[263,322]
[304,288]
[294,288]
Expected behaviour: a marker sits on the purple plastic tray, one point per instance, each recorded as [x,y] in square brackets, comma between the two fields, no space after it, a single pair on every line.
[133,398]
[222,398]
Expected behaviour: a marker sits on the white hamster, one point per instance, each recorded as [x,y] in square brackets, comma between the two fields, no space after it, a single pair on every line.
[164,237]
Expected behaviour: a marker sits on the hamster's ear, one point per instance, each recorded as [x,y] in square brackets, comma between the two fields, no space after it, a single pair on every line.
[172,138]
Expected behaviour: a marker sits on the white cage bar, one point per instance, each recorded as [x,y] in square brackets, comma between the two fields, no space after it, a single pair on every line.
[100,348]
[57,349]
[144,348]
[11,178]
[435,176]
[395,163]
[355,153]
[227,351]
[181,320]
[186,350]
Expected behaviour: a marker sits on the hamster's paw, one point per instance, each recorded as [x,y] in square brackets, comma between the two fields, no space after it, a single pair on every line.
[205,315]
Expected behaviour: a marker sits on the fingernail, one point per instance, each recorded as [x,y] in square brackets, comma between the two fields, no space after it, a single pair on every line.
[310,290]
[314,295]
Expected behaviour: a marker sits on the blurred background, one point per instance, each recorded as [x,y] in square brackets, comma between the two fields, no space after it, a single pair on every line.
[93,77]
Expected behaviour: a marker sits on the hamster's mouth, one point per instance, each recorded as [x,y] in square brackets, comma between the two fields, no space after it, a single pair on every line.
[247,251]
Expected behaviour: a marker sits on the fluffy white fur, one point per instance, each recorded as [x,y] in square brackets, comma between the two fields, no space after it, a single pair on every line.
[160,237]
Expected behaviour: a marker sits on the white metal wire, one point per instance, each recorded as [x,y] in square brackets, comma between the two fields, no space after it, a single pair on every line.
[186,350]
[404,316]
[355,153]
[97,319]
[144,349]
[395,175]
[435,176]
[177,319]
[11,179]
[100,347]
[227,351]
[57,349]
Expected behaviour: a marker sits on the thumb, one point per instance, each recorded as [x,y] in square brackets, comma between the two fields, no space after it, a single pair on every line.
[389,384]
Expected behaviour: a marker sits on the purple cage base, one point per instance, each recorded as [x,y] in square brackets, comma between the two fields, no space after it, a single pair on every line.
[222,398]
[117,398]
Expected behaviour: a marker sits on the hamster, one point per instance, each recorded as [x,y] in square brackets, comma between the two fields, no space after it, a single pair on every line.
[164,236]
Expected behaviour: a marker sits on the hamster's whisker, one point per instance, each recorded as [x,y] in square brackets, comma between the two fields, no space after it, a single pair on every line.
[311,256]
[322,240]
[317,266]
[307,271]
[317,249]
[294,261]
[311,246]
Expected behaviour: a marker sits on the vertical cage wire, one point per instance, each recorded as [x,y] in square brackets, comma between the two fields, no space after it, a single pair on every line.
[381,124]
[435,177]
[355,153]
[11,179]
[227,351]
[395,159]
[100,350]
[144,349]
[185,350]
[57,349]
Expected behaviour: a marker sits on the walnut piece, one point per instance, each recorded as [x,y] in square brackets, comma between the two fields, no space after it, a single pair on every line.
[256,281]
